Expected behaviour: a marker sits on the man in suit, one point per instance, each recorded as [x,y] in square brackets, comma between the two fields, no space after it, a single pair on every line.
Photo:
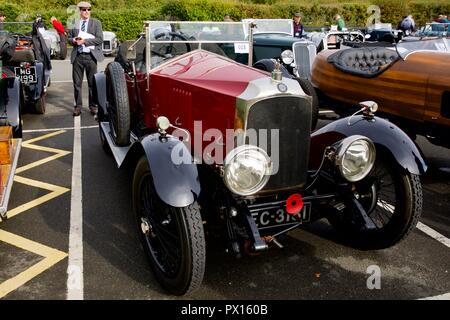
[86,36]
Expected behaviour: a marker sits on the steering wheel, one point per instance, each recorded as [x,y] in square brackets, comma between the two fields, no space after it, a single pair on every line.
[170,50]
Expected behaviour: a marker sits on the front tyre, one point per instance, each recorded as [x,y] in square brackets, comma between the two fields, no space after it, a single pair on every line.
[172,238]
[392,198]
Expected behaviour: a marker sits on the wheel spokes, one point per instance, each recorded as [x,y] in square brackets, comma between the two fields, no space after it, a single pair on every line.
[163,240]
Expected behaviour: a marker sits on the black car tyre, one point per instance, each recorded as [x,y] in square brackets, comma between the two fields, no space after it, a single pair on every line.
[392,198]
[39,104]
[173,238]
[17,133]
[310,91]
[63,53]
[118,104]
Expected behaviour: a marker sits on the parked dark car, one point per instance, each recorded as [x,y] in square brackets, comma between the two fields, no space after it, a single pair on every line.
[383,32]
[11,105]
[30,62]
[222,147]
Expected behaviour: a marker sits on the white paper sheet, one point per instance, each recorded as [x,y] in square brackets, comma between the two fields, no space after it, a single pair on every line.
[85,36]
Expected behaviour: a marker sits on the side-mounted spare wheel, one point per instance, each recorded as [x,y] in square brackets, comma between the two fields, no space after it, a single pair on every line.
[118,104]
[310,91]
[269,65]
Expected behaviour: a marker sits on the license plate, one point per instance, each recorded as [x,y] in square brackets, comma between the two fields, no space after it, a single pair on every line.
[276,216]
[26,75]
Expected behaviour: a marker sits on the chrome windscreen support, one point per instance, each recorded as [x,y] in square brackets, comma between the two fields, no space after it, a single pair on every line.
[251,26]
[148,52]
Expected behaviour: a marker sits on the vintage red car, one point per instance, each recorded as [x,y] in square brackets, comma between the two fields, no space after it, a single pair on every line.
[220,146]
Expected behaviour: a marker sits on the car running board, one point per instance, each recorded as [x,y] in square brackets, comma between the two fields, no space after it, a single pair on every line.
[119,153]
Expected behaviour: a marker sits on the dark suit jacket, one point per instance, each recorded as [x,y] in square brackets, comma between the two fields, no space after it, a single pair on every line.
[95,28]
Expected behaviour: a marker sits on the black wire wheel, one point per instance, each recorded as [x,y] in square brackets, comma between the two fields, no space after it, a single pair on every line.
[118,104]
[172,238]
[392,199]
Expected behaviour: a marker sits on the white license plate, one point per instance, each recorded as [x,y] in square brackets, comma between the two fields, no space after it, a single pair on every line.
[26,75]
[277,216]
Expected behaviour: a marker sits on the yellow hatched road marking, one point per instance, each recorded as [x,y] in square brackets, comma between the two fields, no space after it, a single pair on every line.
[51,257]
[28,144]
[56,192]
[45,136]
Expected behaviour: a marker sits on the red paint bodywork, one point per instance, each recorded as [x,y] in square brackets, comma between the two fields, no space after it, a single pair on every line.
[198,86]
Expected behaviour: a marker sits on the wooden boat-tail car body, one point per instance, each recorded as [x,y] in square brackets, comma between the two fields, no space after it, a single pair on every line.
[414,86]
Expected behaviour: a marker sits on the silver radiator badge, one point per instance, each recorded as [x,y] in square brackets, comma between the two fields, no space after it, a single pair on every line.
[282,87]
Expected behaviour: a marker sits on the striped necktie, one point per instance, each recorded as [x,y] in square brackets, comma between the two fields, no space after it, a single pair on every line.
[83,28]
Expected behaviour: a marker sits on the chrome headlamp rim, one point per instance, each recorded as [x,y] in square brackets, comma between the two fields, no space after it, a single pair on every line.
[233,155]
[341,149]
[287,56]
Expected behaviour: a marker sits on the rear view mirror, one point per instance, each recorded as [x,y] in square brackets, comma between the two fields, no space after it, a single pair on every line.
[130,49]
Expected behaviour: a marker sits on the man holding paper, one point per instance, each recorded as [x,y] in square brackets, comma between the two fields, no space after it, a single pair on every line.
[86,36]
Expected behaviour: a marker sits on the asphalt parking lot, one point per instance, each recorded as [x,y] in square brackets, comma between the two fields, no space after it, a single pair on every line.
[315,263]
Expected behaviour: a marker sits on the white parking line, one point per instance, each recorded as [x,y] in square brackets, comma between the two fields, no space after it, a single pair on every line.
[75,281]
[434,234]
[57,129]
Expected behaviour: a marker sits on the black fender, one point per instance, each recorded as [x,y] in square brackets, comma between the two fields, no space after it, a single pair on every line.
[177,183]
[12,101]
[385,135]
[100,90]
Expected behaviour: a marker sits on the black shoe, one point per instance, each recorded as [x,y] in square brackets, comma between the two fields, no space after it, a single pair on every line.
[94,110]
[76,112]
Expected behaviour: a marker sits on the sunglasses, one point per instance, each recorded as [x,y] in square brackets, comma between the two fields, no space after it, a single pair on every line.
[86,9]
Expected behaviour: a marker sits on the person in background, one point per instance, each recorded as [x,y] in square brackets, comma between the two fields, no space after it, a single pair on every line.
[298,27]
[443,19]
[340,22]
[2,19]
[41,50]
[227,18]
[60,29]
[408,25]
[86,36]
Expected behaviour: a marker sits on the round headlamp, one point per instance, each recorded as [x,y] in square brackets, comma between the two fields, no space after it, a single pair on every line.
[287,57]
[355,157]
[246,170]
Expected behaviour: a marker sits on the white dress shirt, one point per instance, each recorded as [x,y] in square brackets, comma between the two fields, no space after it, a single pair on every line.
[85,49]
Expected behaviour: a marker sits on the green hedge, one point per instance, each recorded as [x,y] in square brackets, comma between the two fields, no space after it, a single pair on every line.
[126,17]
